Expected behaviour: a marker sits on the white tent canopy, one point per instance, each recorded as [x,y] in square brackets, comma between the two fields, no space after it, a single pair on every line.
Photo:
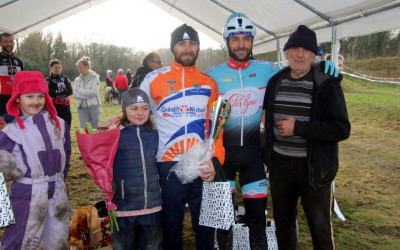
[330,19]
[21,17]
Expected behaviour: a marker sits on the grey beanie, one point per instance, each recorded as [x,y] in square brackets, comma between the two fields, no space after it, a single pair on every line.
[133,96]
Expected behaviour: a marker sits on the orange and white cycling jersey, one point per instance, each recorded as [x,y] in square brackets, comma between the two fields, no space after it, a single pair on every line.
[180,99]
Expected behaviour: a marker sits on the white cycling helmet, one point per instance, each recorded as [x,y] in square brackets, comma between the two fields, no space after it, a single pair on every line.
[109,71]
[238,23]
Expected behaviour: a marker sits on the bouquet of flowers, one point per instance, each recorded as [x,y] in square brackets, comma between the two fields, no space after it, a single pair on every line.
[98,152]
[188,168]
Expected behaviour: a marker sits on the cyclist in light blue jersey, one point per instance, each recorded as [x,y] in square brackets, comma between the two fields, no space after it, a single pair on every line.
[243,82]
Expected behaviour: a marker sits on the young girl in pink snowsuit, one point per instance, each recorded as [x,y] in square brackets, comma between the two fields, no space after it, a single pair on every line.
[34,153]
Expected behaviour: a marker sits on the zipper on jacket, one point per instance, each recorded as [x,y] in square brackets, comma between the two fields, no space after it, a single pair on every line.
[144,167]
[122,189]
[185,149]
[241,104]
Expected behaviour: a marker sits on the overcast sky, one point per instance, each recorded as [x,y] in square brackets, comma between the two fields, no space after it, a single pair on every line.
[131,23]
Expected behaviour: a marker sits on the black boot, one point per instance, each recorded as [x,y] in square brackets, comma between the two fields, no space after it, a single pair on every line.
[225,239]
[256,221]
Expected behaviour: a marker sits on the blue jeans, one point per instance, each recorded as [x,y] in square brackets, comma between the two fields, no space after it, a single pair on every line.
[138,232]
[120,92]
[175,195]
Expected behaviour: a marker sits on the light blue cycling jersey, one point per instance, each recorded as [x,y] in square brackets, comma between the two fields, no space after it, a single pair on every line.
[243,84]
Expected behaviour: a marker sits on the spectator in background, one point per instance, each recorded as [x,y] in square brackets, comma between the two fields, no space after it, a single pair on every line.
[59,90]
[86,91]
[129,76]
[9,65]
[151,61]
[306,117]
[320,52]
[340,61]
[121,83]
[110,83]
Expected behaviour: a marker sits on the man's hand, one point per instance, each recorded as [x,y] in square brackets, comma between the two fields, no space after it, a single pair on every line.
[208,173]
[286,126]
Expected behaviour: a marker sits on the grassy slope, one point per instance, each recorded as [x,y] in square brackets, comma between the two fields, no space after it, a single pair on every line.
[367,184]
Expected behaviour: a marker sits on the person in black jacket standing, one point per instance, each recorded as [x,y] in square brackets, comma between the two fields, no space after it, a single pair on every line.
[9,66]
[59,90]
[151,61]
[306,117]
[128,76]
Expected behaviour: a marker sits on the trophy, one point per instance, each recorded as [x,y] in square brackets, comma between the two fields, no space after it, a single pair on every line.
[188,168]
[220,112]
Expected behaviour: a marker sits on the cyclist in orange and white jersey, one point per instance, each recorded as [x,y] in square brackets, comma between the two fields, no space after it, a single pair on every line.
[180,98]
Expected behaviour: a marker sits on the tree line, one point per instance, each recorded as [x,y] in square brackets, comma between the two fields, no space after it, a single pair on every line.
[37,49]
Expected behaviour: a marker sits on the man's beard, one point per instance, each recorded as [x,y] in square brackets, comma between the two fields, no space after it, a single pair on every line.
[186,63]
[236,58]
[8,49]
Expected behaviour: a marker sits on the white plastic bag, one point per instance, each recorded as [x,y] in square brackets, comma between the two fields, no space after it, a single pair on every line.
[216,205]
[6,213]
[241,239]
[187,170]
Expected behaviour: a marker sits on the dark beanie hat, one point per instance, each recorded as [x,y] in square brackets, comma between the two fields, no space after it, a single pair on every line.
[134,96]
[303,37]
[184,32]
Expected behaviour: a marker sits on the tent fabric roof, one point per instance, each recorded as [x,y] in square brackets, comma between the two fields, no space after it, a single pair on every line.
[21,17]
[276,19]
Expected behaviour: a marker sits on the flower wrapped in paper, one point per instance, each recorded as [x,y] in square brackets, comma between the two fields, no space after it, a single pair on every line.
[98,153]
[188,168]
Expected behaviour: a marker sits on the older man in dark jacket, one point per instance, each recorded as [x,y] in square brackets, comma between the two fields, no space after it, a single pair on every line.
[306,118]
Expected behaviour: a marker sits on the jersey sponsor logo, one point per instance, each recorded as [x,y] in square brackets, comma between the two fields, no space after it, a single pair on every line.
[263,184]
[179,111]
[257,189]
[184,108]
[228,79]
[252,75]
[171,91]
[196,86]
[171,82]
[249,100]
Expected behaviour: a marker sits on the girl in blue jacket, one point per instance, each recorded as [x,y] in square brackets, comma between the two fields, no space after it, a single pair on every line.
[135,180]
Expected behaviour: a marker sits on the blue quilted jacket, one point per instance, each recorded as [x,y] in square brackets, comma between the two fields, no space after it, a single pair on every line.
[135,176]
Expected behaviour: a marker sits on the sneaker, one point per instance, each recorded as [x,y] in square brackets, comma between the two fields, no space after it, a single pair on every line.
[116,102]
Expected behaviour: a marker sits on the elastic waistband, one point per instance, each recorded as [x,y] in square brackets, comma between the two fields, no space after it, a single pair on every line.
[138,212]
[41,179]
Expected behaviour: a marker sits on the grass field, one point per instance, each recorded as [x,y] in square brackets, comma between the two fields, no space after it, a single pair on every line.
[367,184]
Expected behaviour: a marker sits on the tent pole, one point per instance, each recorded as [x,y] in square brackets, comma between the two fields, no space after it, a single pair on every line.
[278,50]
[334,55]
